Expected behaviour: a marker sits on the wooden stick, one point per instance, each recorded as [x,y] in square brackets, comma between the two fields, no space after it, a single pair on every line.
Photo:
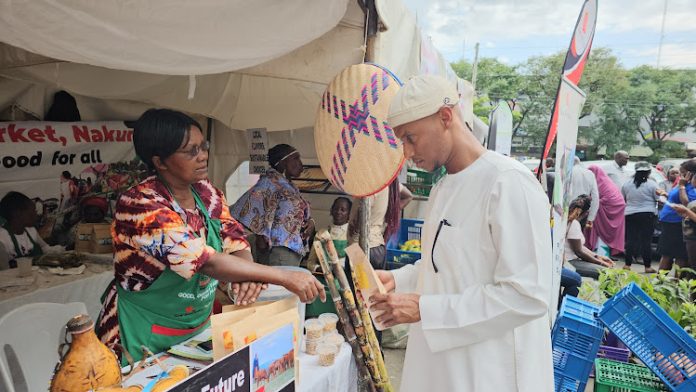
[348,330]
[382,385]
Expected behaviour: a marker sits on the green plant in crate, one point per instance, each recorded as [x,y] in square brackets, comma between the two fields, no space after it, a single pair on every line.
[671,294]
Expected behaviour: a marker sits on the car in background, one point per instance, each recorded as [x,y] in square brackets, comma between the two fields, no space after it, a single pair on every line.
[655,174]
[532,164]
[666,164]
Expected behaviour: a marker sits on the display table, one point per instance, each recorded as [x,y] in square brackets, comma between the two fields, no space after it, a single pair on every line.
[342,376]
[48,287]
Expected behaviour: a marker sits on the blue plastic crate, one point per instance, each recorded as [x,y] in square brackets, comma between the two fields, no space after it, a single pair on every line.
[575,339]
[409,229]
[648,331]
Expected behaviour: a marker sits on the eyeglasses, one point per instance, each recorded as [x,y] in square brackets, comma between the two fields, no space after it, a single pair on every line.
[196,149]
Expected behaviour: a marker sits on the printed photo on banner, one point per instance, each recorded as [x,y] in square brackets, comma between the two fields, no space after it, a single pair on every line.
[74,171]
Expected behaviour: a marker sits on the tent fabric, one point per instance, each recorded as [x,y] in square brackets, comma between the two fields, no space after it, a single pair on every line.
[278,95]
[170,37]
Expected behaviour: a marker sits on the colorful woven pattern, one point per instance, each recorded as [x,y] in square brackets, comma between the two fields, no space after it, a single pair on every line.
[357,149]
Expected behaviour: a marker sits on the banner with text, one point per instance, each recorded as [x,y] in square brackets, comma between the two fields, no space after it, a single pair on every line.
[568,106]
[33,156]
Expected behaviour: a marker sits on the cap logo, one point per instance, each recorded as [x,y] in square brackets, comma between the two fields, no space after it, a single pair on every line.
[446,101]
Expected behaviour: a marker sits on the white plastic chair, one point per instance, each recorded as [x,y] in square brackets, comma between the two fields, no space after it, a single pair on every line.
[33,333]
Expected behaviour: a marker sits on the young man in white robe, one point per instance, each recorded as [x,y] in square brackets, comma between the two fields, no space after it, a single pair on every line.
[478,299]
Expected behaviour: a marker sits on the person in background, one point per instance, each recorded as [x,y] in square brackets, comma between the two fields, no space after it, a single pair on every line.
[174,239]
[18,235]
[338,229]
[385,215]
[668,184]
[586,262]
[482,287]
[275,212]
[550,164]
[672,246]
[68,191]
[609,225]
[617,170]
[689,229]
[585,183]
[641,195]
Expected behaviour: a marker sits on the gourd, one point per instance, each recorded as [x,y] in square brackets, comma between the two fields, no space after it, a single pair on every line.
[176,374]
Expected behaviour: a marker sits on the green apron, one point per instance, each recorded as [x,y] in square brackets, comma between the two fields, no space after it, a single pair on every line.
[35,251]
[172,309]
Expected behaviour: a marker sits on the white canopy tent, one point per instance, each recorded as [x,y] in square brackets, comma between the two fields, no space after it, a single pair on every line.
[261,64]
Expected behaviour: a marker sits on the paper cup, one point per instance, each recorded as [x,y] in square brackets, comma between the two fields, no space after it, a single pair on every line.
[327,354]
[23,267]
[312,345]
[336,339]
[329,320]
[314,328]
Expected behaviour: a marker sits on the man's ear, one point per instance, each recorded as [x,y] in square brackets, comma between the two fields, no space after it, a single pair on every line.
[159,163]
[446,116]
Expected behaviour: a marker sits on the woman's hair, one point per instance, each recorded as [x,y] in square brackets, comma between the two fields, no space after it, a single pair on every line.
[640,177]
[160,132]
[393,216]
[582,202]
[278,152]
[14,203]
[342,198]
[689,165]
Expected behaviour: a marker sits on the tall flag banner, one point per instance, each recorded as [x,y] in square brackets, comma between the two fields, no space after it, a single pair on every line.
[500,129]
[568,107]
[574,64]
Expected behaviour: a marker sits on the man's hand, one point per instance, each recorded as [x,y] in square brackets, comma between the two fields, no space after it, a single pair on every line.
[588,225]
[387,279]
[396,308]
[681,210]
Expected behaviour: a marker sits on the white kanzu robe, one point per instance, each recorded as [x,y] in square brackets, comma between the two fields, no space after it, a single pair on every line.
[484,322]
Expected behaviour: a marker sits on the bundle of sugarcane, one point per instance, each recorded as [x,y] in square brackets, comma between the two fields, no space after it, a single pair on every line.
[369,328]
[373,357]
[363,372]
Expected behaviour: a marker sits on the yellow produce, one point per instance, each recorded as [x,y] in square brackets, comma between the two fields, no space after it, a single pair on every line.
[411,246]
[176,374]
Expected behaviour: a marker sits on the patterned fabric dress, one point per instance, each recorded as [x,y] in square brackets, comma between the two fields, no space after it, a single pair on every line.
[274,208]
[152,232]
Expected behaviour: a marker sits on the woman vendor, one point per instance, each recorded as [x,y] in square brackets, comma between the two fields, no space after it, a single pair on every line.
[275,212]
[174,239]
[18,235]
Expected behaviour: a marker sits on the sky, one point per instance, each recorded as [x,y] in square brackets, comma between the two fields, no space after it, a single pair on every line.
[514,30]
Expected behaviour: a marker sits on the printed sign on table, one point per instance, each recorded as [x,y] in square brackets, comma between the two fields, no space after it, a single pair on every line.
[257,139]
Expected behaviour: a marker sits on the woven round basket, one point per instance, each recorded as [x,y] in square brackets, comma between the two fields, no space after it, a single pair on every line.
[357,150]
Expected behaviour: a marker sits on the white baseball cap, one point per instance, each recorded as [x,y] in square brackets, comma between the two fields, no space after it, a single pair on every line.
[420,97]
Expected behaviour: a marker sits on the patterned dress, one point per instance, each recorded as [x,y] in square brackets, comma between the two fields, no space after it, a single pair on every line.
[152,232]
[274,208]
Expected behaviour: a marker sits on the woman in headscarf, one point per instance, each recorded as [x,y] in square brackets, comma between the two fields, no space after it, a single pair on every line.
[275,212]
[641,198]
[174,239]
[609,224]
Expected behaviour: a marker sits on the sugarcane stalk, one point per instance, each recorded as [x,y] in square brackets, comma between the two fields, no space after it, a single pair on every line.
[363,372]
[371,334]
[382,385]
